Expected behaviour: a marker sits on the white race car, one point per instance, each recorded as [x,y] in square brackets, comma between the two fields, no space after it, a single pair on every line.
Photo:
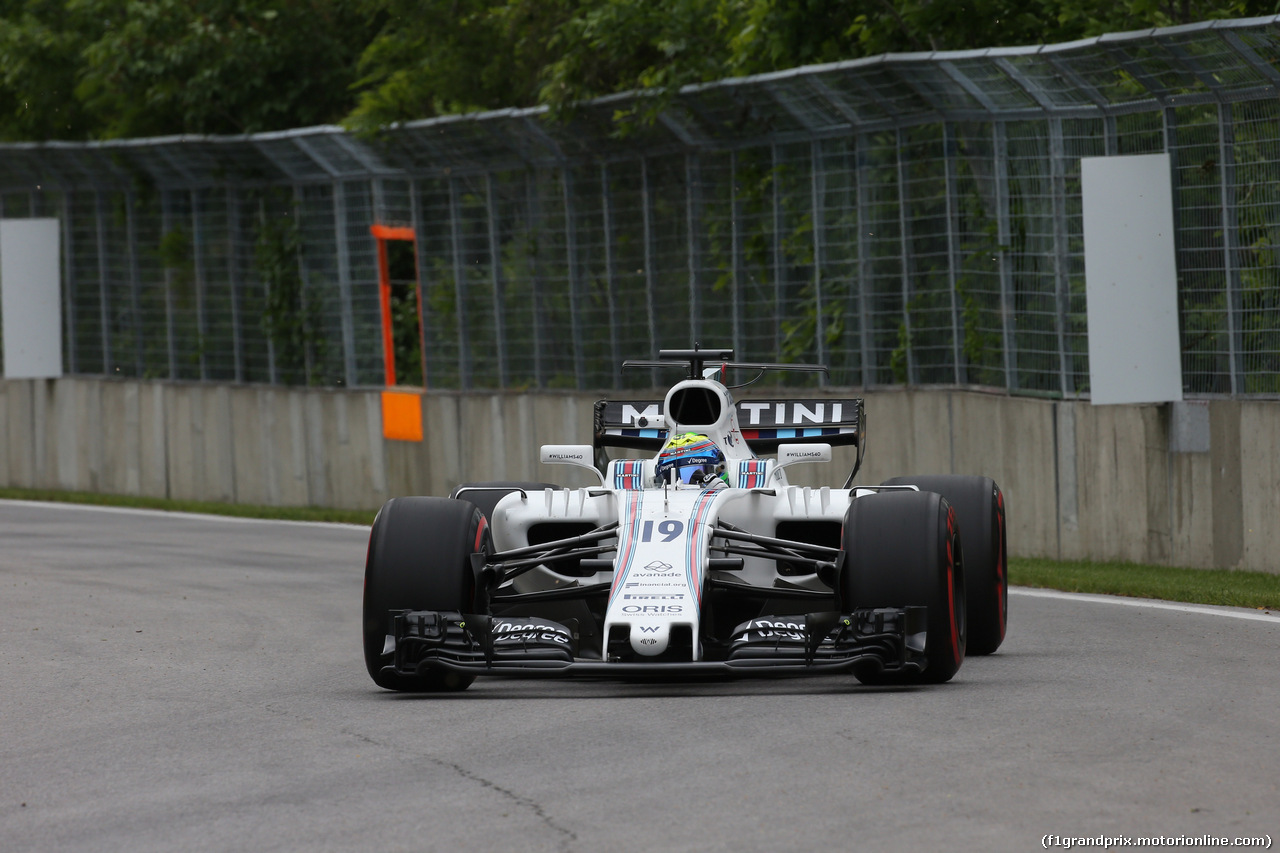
[698,559]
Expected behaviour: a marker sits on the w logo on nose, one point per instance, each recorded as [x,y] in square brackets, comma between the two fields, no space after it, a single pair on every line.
[648,629]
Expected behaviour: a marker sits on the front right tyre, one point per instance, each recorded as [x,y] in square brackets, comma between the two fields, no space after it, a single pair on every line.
[902,549]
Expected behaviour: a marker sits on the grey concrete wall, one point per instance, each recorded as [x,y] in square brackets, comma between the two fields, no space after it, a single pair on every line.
[1195,484]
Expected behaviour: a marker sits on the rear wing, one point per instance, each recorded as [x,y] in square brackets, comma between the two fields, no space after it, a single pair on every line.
[765,424]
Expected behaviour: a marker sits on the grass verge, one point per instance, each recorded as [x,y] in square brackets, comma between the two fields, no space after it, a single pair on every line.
[1259,590]
[1196,586]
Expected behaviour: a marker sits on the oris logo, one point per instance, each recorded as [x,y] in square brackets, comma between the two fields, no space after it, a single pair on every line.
[658,609]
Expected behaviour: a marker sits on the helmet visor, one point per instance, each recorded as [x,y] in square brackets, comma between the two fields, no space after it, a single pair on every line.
[696,472]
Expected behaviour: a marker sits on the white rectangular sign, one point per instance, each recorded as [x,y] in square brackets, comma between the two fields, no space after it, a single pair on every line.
[31,298]
[1131,279]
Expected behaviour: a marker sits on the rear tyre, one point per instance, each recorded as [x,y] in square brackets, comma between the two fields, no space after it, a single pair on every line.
[979,507]
[903,549]
[419,559]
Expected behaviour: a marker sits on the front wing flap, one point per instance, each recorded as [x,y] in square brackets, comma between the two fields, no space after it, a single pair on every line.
[889,639]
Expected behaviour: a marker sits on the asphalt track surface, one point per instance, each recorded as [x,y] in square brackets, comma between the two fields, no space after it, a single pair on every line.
[187,683]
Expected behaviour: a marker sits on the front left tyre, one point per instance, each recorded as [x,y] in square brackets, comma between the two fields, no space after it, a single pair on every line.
[419,559]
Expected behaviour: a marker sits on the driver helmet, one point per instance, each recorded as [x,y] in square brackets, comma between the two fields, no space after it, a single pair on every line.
[693,459]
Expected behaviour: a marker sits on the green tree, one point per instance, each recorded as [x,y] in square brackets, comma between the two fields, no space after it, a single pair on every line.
[105,68]
[464,55]
[41,57]
[220,66]
[435,57]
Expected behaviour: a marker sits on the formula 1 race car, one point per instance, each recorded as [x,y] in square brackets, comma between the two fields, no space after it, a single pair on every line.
[694,559]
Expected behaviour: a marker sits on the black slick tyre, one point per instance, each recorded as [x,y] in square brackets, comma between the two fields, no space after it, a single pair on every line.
[419,559]
[979,506]
[902,549]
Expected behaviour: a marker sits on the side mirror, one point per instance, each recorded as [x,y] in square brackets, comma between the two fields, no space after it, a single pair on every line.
[578,455]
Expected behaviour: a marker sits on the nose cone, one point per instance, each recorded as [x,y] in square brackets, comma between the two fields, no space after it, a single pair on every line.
[650,639]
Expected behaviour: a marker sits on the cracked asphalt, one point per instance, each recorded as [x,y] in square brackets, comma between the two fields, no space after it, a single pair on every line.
[190,683]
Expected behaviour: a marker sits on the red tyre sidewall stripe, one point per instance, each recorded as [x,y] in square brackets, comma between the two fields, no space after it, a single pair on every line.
[951,593]
[1002,600]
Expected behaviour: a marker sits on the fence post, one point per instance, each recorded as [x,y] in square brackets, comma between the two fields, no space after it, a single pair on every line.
[343,244]
[495,270]
[779,262]
[959,372]
[692,212]
[135,284]
[535,267]
[1230,237]
[459,284]
[197,257]
[273,374]
[735,249]
[650,282]
[104,294]
[1001,164]
[295,216]
[233,277]
[610,271]
[571,262]
[420,266]
[166,225]
[1062,282]
[904,259]
[866,336]
[817,190]
[68,278]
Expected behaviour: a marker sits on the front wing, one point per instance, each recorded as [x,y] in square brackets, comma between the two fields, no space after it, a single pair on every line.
[882,639]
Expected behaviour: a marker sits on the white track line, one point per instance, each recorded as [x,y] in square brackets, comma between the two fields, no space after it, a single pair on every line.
[1204,610]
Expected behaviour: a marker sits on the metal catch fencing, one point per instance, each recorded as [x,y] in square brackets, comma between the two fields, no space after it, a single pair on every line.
[907,219]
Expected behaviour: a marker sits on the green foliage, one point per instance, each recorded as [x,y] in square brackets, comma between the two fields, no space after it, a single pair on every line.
[107,68]
[176,257]
[461,55]
[434,57]
[620,45]
[406,337]
[289,320]
[41,58]
[1200,586]
[220,66]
